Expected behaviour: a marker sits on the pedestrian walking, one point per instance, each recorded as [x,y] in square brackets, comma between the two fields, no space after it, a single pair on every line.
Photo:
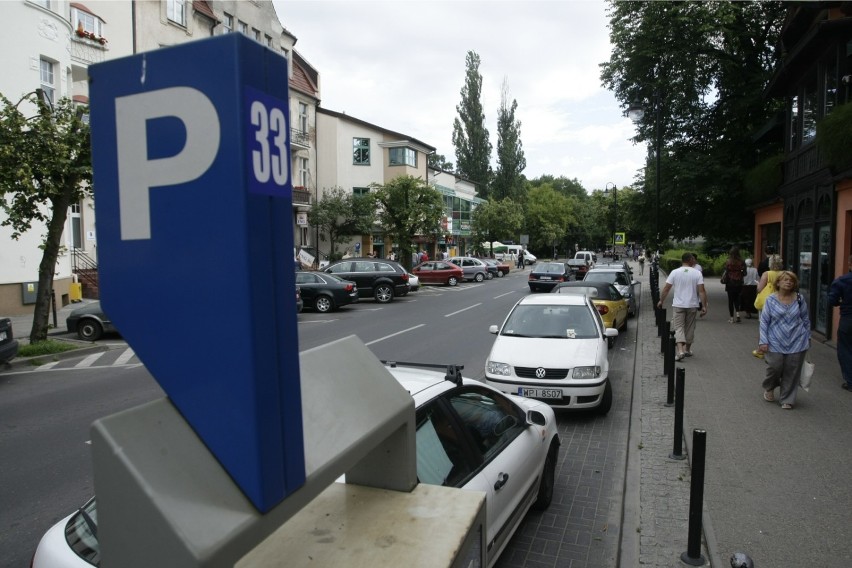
[766,287]
[840,294]
[732,278]
[521,259]
[641,264]
[785,337]
[688,295]
[749,292]
[763,266]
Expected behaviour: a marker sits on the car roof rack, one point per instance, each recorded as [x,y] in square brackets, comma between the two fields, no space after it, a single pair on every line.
[453,375]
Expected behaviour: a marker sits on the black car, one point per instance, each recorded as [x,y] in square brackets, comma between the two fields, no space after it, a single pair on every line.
[90,322]
[376,278]
[545,275]
[326,292]
[8,343]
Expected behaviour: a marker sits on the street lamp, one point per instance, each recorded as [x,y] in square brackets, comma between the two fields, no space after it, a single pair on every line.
[636,112]
[614,215]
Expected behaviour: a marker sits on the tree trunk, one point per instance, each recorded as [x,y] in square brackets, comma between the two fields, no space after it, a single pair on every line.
[46,270]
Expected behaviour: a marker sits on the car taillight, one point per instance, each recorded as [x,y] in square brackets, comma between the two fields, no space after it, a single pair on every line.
[349,287]
[532,276]
[405,276]
[602,310]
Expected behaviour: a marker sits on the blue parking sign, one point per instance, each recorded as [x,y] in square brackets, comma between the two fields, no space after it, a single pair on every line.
[191,156]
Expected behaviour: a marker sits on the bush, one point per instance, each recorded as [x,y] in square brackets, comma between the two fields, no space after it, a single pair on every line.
[48,347]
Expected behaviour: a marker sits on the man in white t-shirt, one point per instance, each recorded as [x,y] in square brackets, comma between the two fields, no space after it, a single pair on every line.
[689,294]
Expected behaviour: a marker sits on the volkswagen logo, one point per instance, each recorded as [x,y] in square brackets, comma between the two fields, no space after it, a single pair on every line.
[540,373]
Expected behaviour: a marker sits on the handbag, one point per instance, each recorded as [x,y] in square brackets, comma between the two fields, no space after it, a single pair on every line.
[767,291]
[806,375]
[724,279]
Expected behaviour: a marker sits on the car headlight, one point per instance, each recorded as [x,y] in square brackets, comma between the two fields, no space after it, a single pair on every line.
[586,373]
[496,368]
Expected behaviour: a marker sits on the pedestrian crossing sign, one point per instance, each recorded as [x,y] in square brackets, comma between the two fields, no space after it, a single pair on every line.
[620,238]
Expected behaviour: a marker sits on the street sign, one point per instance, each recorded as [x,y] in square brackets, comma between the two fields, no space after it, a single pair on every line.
[192,187]
[620,239]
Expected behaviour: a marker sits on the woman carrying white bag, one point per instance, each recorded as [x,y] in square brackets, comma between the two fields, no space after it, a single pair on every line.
[785,336]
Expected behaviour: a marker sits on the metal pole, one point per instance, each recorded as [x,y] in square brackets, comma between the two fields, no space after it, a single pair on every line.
[693,556]
[670,387]
[677,450]
[659,150]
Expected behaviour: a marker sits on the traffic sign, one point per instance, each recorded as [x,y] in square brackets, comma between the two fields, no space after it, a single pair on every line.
[193,193]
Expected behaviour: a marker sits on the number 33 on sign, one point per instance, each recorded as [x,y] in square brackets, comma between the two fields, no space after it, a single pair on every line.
[267,144]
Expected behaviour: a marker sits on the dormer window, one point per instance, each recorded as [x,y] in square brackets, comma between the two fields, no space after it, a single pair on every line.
[86,22]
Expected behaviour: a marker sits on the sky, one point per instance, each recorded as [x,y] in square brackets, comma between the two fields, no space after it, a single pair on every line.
[400,65]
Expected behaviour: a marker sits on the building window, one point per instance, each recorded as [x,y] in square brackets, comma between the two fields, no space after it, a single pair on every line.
[809,112]
[403,157]
[76,227]
[86,22]
[268,41]
[359,191]
[228,23]
[793,111]
[303,117]
[830,86]
[46,77]
[243,27]
[303,172]
[42,3]
[361,151]
[177,11]
[256,34]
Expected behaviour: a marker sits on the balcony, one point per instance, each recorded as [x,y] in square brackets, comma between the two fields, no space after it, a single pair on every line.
[801,163]
[301,196]
[299,138]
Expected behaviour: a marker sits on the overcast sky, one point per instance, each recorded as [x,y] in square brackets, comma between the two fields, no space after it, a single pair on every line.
[400,64]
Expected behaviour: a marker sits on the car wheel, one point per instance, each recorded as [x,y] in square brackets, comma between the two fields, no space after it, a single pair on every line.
[500,274]
[606,399]
[90,330]
[452,281]
[490,276]
[548,479]
[324,304]
[384,294]
[479,277]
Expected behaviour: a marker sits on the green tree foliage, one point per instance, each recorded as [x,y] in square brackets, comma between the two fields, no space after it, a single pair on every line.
[511,163]
[470,136]
[340,215]
[565,186]
[549,217]
[496,221]
[700,69]
[408,207]
[439,162]
[45,167]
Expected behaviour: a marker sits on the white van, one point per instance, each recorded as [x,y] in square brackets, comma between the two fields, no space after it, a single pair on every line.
[507,252]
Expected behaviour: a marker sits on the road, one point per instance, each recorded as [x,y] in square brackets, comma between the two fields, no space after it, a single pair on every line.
[45,415]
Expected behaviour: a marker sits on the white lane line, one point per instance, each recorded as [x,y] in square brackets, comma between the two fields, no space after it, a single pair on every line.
[318,321]
[506,294]
[394,334]
[124,357]
[463,310]
[47,366]
[90,360]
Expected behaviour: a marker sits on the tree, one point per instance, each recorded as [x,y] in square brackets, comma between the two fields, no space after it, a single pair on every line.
[408,208]
[511,163]
[340,215]
[497,220]
[439,162]
[705,64]
[549,217]
[470,137]
[45,167]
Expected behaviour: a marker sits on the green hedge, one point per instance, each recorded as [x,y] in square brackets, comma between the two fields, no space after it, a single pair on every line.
[834,137]
[671,260]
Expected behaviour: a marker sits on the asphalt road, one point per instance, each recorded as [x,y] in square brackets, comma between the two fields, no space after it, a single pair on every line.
[45,415]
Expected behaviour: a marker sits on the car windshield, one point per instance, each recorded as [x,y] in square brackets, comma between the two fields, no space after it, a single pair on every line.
[81,533]
[589,291]
[551,268]
[551,321]
[609,277]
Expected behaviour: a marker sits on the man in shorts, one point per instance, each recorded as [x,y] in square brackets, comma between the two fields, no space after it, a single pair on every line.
[689,297]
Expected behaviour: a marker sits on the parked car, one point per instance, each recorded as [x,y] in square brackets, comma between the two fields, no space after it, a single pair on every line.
[553,348]
[8,343]
[508,252]
[326,292]
[413,283]
[468,435]
[545,275]
[609,302]
[618,277]
[616,264]
[89,322]
[502,267]
[376,278]
[300,304]
[438,272]
[474,269]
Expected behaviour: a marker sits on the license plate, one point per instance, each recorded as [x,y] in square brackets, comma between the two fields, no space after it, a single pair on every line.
[540,393]
[545,277]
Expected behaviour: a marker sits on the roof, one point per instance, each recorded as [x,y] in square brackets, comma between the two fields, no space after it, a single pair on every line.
[203,8]
[344,116]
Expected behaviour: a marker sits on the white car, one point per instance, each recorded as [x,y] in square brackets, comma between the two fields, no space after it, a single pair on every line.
[553,348]
[469,436]
[474,269]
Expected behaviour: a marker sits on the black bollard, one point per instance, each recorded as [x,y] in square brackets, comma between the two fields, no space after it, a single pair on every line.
[668,357]
[693,555]
[677,450]
[670,386]
[664,335]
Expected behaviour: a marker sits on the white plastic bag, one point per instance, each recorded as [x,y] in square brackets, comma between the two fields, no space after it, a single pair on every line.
[806,375]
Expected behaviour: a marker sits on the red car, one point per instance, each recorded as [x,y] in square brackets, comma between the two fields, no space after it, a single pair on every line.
[438,272]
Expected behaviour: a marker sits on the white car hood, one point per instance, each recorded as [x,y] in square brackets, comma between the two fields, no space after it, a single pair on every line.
[552,353]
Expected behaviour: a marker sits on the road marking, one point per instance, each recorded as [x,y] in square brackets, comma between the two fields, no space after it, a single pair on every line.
[463,310]
[124,357]
[506,294]
[90,360]
[318,321]
[394,334]
[47,366]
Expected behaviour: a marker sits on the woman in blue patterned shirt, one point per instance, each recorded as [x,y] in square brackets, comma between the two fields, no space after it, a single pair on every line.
[785,336]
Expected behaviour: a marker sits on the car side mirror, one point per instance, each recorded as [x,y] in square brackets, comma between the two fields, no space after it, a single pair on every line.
[611,332]
[536,417]
[493,329]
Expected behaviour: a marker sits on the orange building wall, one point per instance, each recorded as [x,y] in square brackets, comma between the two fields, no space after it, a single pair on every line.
[766,216]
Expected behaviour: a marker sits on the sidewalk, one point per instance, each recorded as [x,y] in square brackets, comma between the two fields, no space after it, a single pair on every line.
[776,481]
